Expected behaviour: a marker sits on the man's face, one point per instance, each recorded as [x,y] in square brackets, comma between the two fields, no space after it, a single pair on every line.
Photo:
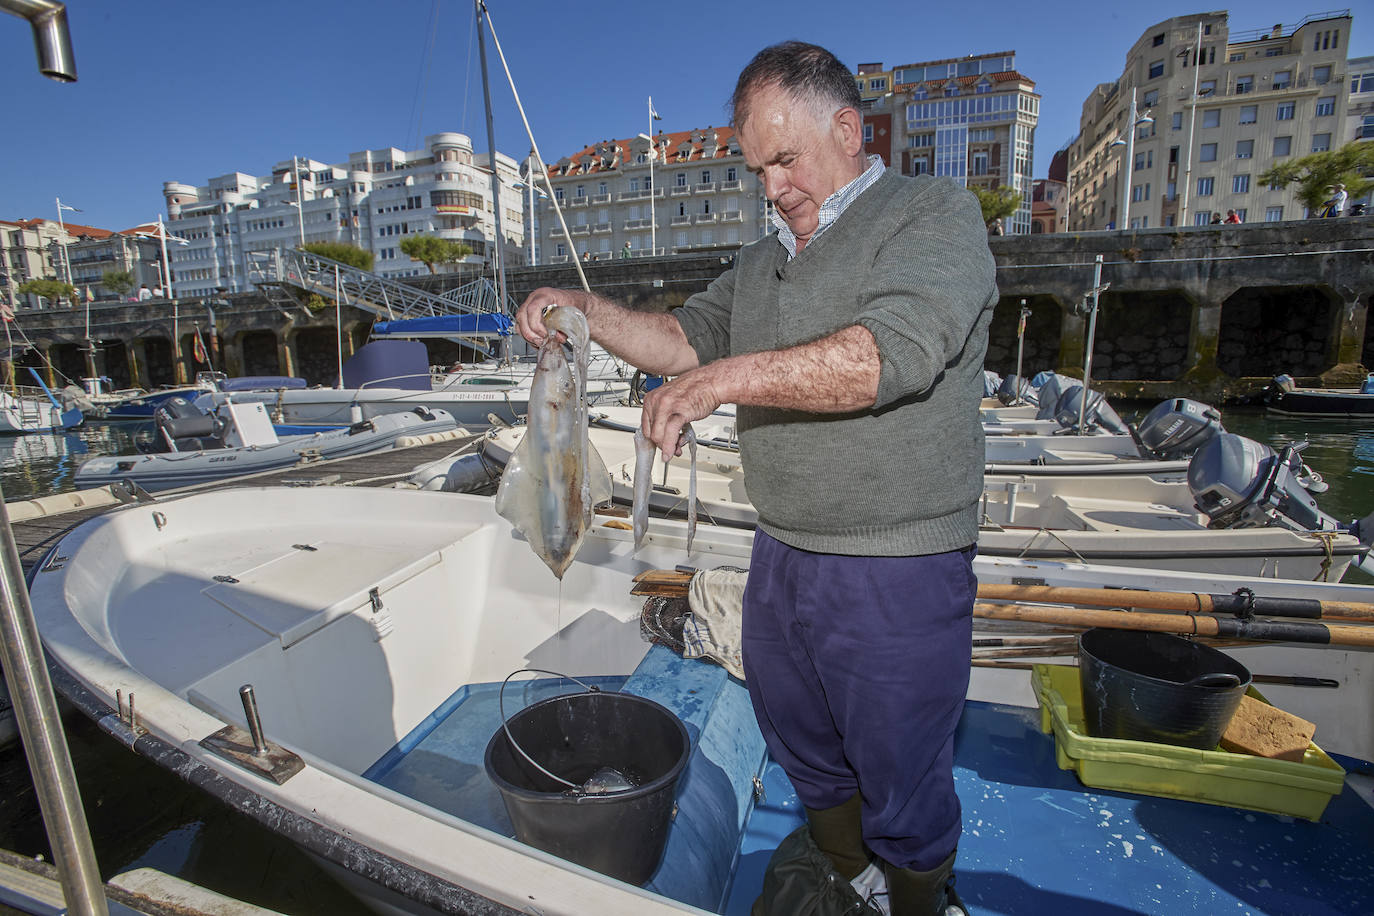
[800,158]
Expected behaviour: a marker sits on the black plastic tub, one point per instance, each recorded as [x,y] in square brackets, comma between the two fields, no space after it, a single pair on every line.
[1157,687]
[621,834]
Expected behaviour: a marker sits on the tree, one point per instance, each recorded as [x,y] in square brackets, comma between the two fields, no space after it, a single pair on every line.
[999,203]
[52,290]
[344,253]
[431,250]
[119,282]
[1352,165]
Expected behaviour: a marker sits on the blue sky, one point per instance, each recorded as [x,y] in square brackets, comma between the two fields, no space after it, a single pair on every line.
[188,90]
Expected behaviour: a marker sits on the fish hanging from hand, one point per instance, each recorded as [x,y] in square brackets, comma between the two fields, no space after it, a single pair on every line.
[555,477]
[644,467]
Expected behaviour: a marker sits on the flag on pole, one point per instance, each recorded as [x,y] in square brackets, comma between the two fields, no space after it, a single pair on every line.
[198,348]
[652,113]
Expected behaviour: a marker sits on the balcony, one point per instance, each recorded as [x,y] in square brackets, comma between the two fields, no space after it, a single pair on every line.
[679,191]
[637,224]
[730,185]
[732,216]
[579,230]
[705,187]
[602,227]
[575,202]
[632,195]
[601,198]
[705,218]
[681,221]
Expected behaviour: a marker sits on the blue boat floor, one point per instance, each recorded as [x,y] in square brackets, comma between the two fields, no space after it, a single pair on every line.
[1035,839]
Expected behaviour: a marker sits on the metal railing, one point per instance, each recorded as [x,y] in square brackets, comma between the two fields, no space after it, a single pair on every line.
[274,269]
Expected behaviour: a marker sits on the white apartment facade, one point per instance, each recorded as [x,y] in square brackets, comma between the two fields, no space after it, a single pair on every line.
[374,200]
[687,191]
[1261,96]
[971,119]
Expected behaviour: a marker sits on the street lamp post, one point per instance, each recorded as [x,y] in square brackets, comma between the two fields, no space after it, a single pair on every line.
[300,201]
[178,372]
[1192,119]
[62,241]
[1133,121]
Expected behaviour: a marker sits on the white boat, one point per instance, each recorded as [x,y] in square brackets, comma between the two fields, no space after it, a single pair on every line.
[238,439]
[375,627]
[1138,520]
[35,410]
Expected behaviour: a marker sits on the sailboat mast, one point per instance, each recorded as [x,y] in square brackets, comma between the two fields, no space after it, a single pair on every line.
[491,146]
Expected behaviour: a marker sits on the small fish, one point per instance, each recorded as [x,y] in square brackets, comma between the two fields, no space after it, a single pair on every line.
[644,483]
[555,477]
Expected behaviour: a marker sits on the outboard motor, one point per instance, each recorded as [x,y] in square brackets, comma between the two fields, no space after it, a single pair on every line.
[991,382]
[1097,412]
[184,427]
[1239,483]
[1284,383]
[1014,390]
[1178,427]
[1051,390]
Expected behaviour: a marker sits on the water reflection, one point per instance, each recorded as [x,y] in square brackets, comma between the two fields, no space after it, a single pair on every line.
[41,464]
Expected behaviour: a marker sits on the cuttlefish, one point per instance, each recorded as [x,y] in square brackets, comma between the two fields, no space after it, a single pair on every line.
[555,477]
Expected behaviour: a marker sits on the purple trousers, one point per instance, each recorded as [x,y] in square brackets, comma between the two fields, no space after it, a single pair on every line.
[857,668]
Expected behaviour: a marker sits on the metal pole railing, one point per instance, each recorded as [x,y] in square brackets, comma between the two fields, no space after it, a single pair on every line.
[45,744]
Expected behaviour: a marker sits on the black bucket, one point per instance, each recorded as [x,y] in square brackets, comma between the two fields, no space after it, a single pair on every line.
[1157,687]
[620,834]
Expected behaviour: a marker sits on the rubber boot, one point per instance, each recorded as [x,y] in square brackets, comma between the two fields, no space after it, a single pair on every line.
[919,893]
[838,833]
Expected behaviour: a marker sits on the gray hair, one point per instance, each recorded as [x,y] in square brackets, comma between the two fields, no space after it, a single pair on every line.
[807,72]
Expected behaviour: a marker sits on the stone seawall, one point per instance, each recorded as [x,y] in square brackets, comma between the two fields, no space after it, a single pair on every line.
[1210,312]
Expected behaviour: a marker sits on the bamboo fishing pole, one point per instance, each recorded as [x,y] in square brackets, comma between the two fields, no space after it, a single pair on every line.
[1243,603]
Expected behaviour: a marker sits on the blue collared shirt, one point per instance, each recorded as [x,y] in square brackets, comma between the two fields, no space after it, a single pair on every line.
[831,208]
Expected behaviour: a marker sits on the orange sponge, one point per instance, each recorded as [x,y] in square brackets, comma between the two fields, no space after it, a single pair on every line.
[1260,729]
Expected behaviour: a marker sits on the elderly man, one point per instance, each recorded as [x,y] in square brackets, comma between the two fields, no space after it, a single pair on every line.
[852,340]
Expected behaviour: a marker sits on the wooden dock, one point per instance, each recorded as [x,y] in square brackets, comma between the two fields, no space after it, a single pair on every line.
[37,523]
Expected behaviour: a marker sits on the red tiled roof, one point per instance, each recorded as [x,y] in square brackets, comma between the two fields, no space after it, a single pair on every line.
[593,156]
[72,228]
[1004,76]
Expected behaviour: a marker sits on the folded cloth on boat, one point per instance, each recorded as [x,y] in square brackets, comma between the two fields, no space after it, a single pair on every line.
[713,629]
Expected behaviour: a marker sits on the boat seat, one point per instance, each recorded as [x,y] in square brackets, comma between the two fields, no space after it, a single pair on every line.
[716,792]
[1093,514]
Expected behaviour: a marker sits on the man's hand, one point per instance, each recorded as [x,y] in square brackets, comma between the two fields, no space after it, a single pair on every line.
[671,406]
[530,316]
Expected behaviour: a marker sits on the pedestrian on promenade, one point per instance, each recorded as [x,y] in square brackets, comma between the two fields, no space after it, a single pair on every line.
[858,608]
[1231,217]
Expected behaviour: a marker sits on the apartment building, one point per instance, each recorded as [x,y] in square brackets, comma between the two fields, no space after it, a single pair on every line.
[682,191]
[1212,115]
[374,200]
[135,251]
[1359,112]
[971,119]
[33,249]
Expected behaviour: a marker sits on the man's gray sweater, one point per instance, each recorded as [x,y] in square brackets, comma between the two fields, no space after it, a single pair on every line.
[909,261]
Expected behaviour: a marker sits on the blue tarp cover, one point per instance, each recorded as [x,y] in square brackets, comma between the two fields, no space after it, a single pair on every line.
[469,325]
[389,364]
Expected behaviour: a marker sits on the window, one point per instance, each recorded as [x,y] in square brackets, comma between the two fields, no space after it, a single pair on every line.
[681,179]
[1321,143]
[1140,192]
[706,206]
[1326,105]
[1240,184]
[1206,87]
[705,176]
[1202,217]
[1151,98]
[1237,56]
[634,184]
[1321,75]
[1208,153]
[1171,191]
[877,85]
[1249,114]
[1241,213]
[1204,187]
[1283,79]
[1273,214]
[1156,69]
[732,174]
[1177,122]
[1245,84]
[1211,117]
[980,163]
[601,187]
[1157,40]
[1245,149]
[1284,112]
[868,133]
[1366,129]
[1283,146]
[1144,160]
[580,192]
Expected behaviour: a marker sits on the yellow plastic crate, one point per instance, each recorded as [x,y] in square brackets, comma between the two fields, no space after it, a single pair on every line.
[1217,777]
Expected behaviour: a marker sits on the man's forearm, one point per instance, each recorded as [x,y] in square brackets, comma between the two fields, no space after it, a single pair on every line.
[650,341]
[836,374]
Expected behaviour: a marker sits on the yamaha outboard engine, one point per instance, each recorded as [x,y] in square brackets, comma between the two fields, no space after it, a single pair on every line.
[1178,427]
[1096,413]
[1239,483]
[1051,391]
[184,427]
[1015,390]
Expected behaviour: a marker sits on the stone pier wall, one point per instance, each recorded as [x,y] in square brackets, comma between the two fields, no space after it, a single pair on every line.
[1210,312]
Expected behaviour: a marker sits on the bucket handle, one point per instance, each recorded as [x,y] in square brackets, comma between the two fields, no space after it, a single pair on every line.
[501,706]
